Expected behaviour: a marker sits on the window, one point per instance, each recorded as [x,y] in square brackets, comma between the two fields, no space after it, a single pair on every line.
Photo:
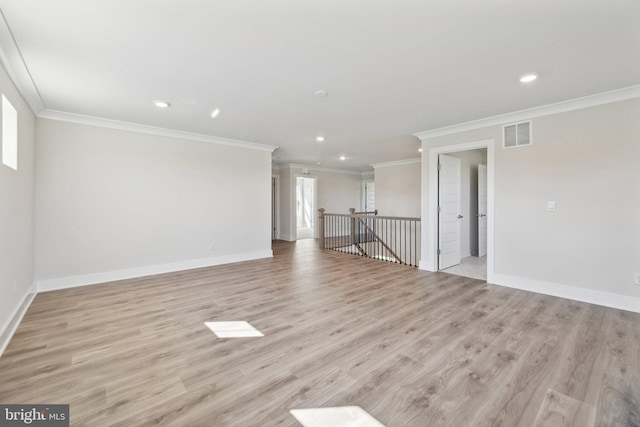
[9,134]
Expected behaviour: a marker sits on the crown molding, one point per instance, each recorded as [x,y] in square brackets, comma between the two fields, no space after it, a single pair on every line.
[150,130]
[13,62]
[397,163]
[315,168]
[544,110]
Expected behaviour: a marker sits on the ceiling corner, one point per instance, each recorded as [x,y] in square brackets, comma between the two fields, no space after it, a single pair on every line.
[13,63]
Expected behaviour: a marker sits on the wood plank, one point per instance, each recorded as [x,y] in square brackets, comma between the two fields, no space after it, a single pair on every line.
[618,402]
[412,348]
[561,410]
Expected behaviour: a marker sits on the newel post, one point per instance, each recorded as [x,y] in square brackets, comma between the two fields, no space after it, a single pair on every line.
[321,228]
[352,211]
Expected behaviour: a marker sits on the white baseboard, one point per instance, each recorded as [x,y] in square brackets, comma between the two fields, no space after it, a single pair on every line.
[130,273]
[606,299]
[425,264]
[7,331]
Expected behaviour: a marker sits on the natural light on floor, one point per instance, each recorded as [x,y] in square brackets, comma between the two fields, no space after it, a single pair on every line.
[342,416]
[239,329]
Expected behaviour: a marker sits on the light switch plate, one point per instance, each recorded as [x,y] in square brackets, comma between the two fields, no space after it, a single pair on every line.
[551,205]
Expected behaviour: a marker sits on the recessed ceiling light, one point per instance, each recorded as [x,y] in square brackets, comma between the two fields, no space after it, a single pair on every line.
[343,158]
[319,138]
[321,93]
[215,113]
[419,150]
[161,104]
[528,78]
[318,163]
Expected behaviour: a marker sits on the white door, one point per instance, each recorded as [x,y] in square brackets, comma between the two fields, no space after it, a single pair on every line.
[369,196]
[482,210]
[449,226]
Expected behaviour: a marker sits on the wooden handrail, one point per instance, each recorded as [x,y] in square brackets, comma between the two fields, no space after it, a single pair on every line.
[365,234]
[353,212]
[402,218]
[382,242]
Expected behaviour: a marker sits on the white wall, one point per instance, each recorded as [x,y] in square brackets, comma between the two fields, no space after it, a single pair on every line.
[336,192]
[125,203]
[469,161]
[16,217]
[398,189]
[587,161]
[287,205]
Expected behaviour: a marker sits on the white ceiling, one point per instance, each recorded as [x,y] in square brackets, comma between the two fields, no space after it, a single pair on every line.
[391,68]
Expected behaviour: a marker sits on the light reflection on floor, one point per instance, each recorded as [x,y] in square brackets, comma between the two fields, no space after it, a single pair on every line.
[237,329]
[342,416]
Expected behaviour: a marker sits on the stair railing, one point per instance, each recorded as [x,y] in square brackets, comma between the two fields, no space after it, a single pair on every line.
[392,239]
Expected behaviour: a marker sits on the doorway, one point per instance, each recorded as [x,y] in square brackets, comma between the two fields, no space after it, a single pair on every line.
[305,207]
[368,196]
[460,210]
[462,198]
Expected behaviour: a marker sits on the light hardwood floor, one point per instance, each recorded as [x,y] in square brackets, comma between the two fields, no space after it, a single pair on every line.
[410,347]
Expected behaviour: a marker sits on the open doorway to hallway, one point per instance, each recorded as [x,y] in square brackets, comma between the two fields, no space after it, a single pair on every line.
[305,207]
[462,213]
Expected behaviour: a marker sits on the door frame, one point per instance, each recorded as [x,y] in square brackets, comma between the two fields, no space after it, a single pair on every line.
[478,218]
[430,209]
[315,203]
[276,209]
[363,192]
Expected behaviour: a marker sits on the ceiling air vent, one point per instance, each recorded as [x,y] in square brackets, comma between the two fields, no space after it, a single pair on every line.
[516,135]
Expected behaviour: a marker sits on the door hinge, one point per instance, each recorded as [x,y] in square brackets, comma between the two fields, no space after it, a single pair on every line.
[438,251]
[439,209]
[439,166]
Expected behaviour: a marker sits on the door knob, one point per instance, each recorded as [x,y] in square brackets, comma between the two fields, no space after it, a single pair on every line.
[459,216]
[481,215]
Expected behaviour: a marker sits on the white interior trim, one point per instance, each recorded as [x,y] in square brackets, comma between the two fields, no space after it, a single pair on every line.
[622,302]
[287,237]
[315,202]
[363,193]
[397,163]
[150,130]
[429,210]
[318,169]
[276,208]
[8,329]
[130,273]
[544,110]
[13,62]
